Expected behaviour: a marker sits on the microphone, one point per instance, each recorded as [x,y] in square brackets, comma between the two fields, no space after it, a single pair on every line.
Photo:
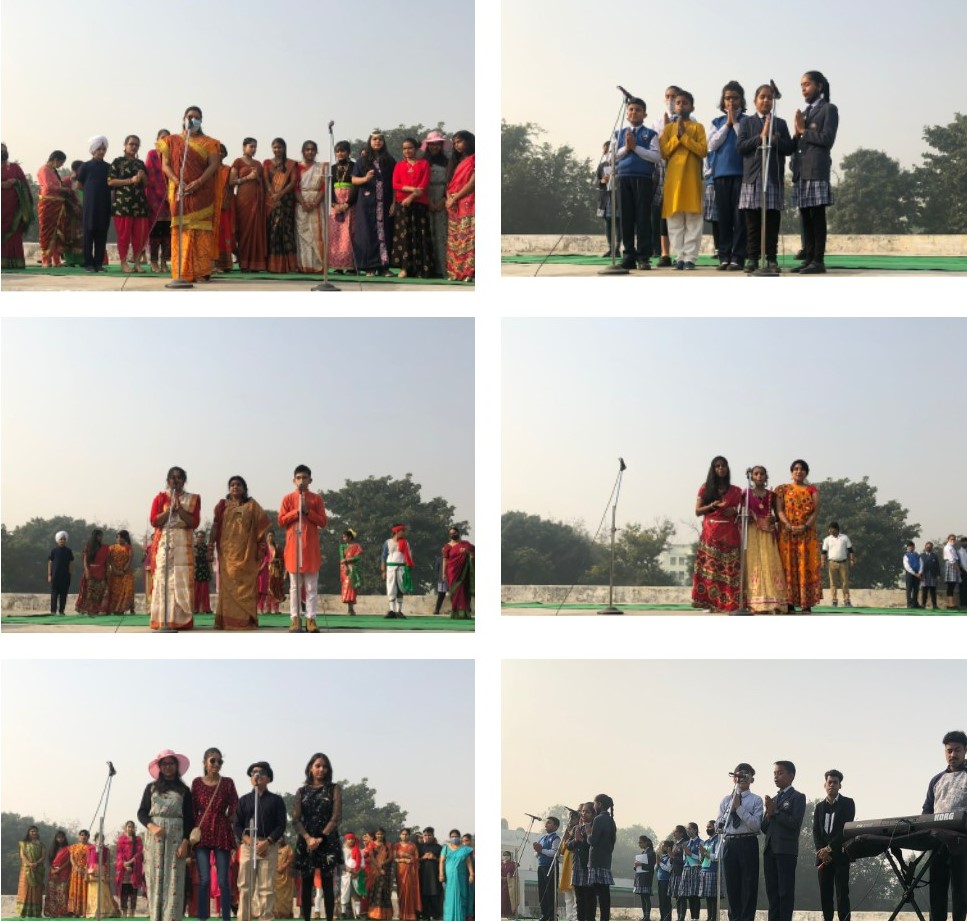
[110,769]
[536,818]
[775,90]
[622,464]
[628,97]
[331,123]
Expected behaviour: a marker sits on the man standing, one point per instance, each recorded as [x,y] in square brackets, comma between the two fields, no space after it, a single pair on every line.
[828,820]
[546,849]
[396,565]
[781,824]
[739,822]
[60,564]
[946,792]
[264,813]
[838,555]
[430,890]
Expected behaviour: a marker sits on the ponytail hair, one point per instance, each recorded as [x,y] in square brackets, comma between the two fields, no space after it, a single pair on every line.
[817,77]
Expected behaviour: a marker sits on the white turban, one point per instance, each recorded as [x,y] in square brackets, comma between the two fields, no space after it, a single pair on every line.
[60,534]
[96,143]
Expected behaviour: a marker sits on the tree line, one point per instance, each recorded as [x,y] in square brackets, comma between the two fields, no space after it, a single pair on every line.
[360,813]
[547,189]
[538,551]
[370,507]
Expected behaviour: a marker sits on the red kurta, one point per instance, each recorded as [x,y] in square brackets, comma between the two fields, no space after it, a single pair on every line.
[311,522]
[415,174]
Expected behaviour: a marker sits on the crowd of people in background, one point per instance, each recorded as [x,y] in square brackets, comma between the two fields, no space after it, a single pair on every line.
[241,554]
[415,215]
[673,176]
[195,856]
[781,568]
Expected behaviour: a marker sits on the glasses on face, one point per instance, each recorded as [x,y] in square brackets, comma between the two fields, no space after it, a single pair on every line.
[256,774]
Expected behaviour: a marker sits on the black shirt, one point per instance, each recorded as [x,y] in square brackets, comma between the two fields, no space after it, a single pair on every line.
[61,558]
[271,819]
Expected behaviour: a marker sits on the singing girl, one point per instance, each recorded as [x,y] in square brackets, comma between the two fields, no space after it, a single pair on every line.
[764,580]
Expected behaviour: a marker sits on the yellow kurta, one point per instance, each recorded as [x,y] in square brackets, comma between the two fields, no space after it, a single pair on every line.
[683,172]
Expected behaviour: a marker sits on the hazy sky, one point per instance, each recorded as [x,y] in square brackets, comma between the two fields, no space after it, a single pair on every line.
[890,75]
[94,412]
[46,742]
[71,72]
[664,759]
[853,397]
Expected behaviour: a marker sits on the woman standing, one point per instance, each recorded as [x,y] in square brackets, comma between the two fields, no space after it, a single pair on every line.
[315,816]
[600,848]
[461,208]
[407,858]
[247,178]
[214,798]
[96,205]
[715,586]
[225,260]
[266,556]
[276,575]
[797,505]
[77,892]
[763,578]
[16,212]
[349,578]
[280,181]
[100,900]
[128,869]
[92,594]
[159,213]
[379,876]
[373,229]
[166,812]
[952,574]
[174,516]
[412,244]
[456,873]
[283,880]
[128,176]
[435,149]
[238,534]
[577,844]
[310,195]
[508,885]
[59,878]
[342,212]
[54,211]
[120,576]
[30,888]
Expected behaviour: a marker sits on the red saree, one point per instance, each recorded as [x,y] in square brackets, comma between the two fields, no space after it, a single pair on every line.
[58,884]
[348,578]
[202,206]
[408,881]
[226,222]
[16,214]
[458,559]
[250,216]
[59,215]
[461,227]
[717,563]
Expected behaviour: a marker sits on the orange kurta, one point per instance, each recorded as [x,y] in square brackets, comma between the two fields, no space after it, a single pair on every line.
[311,522]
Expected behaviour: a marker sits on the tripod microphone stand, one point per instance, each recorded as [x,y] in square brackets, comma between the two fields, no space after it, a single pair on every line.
[614,268]
[611,609]
[99,846]
[744,542]
[325,284]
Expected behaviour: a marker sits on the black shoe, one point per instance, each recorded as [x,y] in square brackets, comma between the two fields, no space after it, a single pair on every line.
[389,615]
[679,266]
[814,268]
[689,266]
[722,267]
[629,263]
[607,254]
[751,266]
[735,266]
[644,265]
[665,262]
[773,266]
[801,255]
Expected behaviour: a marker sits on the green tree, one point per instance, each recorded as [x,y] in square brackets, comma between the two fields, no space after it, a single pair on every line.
[543,189]
[942,179]
[535,551]
[877,531]
[636,553]
[874,195]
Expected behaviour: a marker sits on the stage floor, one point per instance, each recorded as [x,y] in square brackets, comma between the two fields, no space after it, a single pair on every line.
[645,610]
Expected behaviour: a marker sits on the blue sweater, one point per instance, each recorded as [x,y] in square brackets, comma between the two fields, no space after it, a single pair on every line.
[632,164]
[726,160]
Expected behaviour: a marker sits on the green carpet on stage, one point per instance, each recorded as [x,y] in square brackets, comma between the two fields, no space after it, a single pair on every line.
[114,271]
[339,621]
[894,612]
[878,263]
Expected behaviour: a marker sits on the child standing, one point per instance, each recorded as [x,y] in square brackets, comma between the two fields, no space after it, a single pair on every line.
[644,875]
[912,573]
[636,153]
[815,130]
[952,575]
[664,877]
[396,567]
[726,163]
[203,576]
[930,572]
[302,555]
[755,132]
[684,146]
[60,563]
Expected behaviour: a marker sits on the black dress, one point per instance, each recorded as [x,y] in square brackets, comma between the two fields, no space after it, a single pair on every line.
[317,804]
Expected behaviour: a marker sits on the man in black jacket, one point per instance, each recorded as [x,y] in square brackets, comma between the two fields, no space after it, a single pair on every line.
[828,820]
[265,813]
[781,823]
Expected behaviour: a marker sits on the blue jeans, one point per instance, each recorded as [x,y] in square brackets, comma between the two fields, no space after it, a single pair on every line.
[203,862]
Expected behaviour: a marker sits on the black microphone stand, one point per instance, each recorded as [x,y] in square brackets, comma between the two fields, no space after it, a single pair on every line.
[99,844]
[325,284]
[614,268]
[611,609]
[764,271]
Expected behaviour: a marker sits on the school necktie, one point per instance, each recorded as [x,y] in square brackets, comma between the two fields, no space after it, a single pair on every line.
[736,821]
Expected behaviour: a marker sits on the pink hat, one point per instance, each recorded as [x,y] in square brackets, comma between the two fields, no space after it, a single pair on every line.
[436,137]
[182,760]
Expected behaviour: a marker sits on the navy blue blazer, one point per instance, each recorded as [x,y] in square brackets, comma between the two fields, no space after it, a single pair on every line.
[782,830]
[748,144]
[813,147]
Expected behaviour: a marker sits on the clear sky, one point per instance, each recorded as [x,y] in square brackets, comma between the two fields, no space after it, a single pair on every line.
[664,756]
[853,397]
[95,411]
[84,714]
[72,71]
[890,74]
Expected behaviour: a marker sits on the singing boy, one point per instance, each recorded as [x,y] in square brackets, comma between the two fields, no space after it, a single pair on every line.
[302,556]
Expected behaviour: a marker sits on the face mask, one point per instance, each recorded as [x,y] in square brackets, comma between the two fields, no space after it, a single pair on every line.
[454,840]
[194,124]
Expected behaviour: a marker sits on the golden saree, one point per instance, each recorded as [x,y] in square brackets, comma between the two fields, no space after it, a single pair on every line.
[800,550]
[239,535]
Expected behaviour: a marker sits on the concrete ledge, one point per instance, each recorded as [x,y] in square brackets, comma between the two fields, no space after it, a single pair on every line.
[836,245]
[677,594]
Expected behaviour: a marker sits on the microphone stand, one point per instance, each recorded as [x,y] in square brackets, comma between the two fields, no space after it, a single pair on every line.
[164,628]
[519,854]
[611,609]
[721,867]
[177,281]
[253,830]
[325,284]
[763,271]
[614,268]
[298,561]
[744,543]
[99,847]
